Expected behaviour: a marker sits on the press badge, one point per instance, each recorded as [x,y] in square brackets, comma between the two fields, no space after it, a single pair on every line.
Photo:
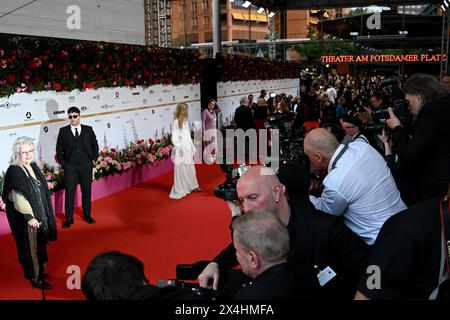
[325,276]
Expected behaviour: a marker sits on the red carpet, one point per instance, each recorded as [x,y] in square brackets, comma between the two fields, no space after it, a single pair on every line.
[141,221]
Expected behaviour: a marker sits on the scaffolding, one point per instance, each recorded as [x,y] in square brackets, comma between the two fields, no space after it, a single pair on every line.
[272,46]
[158,28]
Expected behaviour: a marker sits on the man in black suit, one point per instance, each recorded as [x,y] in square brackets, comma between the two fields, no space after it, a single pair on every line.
[77,151]
[243,117]
[318,240]
[262,246]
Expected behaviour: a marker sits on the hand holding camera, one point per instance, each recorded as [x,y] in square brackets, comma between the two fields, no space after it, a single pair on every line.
[392,121]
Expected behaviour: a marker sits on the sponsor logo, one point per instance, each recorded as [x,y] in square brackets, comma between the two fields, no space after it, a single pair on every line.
[186,97]
[126,102]
[108,125]
[97,97]
[151,91]
[166,90]
[28,115]
[9,105]
[45,129]
[59,112]
[117,95]
[107,106]
[84,108]
[71,99]
[136,93]
[160,99]
[144,101]
[173,98]
[13,134]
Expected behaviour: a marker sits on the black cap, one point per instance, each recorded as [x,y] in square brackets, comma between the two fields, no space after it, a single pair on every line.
[295,178]
[353,120]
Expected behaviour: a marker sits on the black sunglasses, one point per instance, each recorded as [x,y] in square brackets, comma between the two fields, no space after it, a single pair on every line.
[73,117]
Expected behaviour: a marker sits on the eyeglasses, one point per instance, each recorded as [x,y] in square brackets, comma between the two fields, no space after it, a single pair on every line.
[73,117]
[25,153]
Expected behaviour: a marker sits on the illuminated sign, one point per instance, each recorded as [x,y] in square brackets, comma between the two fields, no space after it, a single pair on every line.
[384,58]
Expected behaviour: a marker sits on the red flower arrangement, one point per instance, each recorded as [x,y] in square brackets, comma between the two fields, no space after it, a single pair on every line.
[244,68]
[36,63]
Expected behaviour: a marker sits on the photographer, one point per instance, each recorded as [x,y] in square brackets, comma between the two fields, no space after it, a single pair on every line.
[262,246]
[317,239]
[425,153]
[352,126]
[129,281]
[409,254]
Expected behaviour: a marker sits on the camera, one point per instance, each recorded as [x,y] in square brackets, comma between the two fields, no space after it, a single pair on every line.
[399,106]
[190,272]
[227,190]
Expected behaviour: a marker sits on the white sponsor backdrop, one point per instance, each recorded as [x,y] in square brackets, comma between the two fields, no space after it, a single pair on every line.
[229,93]
[118,115]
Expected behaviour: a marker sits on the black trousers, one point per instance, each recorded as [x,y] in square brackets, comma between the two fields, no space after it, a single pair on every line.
[24,250]
[74,174]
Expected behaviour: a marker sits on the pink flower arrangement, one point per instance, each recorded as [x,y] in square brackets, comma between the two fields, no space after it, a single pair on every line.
[112,161]
[2,205]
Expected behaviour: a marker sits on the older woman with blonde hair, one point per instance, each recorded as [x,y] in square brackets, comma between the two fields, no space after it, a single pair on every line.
[29,211]
[185,179]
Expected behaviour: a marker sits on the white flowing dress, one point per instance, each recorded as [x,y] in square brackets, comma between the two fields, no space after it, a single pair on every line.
[184,177]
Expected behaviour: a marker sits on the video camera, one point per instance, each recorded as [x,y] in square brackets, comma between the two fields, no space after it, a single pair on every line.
[280,121]
[190,272]
[399,106]
[227,190]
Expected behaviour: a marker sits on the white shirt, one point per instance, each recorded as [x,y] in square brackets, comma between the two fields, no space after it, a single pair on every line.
[73,129]
[362,189]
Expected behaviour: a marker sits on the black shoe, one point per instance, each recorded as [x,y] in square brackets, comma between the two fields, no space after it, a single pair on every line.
[89,219]
[69,221]
[45,275]
[41,284]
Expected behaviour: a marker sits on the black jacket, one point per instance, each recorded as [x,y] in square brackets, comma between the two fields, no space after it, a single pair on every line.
[88,142]
[243,118]
[281,282]
[319,239]
[425,156]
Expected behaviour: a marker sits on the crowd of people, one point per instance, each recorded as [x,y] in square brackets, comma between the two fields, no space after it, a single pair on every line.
[377,228]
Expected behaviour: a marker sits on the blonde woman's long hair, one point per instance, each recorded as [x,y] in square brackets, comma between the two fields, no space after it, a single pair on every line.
[181,114]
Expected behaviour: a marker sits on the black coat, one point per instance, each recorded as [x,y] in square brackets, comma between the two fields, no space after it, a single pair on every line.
[319,239]
[281,282]
[88,142]
[243,118]
[425,156]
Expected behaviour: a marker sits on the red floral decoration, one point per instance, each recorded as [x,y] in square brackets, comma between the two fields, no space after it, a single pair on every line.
[35,63]
[244,68]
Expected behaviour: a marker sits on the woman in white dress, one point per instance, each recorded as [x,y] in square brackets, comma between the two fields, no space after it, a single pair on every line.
[185,179]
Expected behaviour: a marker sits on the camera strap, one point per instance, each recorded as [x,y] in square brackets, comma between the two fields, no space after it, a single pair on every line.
[339,156]
[444,268]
